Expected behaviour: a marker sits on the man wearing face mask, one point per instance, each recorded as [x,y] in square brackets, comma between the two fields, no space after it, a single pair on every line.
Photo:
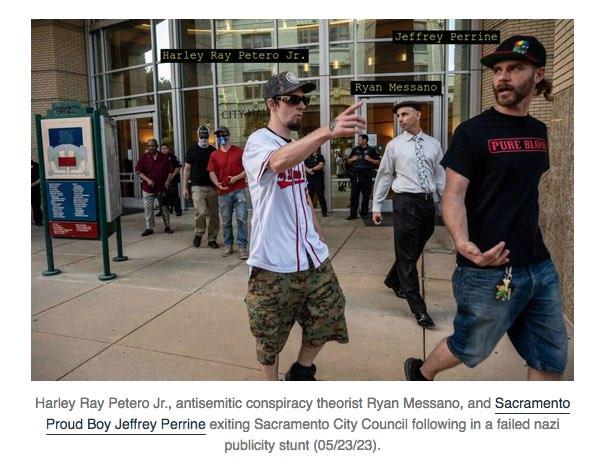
[226,172]
[204,196]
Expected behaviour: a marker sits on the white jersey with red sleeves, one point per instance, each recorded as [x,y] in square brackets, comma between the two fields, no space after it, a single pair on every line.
[283,233]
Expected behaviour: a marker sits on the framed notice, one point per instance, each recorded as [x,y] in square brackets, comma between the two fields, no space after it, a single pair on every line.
[111,168]
[68,149]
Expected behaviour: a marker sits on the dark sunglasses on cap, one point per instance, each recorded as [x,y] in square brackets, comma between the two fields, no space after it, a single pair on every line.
[293,99]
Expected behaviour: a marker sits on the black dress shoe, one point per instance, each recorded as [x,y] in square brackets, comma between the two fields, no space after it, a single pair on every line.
[213,244]
[351,217]
[147,232]
[168,230]
[424,320]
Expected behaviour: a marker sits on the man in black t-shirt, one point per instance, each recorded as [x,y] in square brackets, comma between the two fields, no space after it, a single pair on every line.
[362,162]
[315,168]
[505,281]
[204,194]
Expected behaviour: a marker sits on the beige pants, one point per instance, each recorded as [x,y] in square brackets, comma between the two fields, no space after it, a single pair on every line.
[205,200]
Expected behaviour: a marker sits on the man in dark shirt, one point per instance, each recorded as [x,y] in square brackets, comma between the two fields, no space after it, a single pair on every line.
[155,171]
[315,169]
[35,194]
[204,196]
[505,281]
[362,162]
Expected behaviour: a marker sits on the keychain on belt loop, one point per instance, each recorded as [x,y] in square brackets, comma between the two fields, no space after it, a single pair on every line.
[504,289]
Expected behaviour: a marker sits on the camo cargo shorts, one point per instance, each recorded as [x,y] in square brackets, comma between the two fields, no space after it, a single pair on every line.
[312,298]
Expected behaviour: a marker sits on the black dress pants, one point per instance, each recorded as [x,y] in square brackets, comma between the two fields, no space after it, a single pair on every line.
[360,184]
[414,223]
[316,184]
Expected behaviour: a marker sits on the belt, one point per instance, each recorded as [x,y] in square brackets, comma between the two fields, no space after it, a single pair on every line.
[422,196]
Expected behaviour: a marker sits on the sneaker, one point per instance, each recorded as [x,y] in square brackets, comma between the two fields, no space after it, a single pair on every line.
[228,251]
[168,230]
[147,232]
[299,372]
[412,369]
[196,242]
[243,253]
[423,319]
[213,244]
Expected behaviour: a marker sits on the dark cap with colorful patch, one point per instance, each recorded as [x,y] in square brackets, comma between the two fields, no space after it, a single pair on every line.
[518,48]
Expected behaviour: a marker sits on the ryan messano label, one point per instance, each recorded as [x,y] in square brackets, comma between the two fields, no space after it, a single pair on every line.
[235,55]
[392,87]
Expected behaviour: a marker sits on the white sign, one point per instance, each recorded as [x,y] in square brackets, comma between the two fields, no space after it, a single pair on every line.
[68,148]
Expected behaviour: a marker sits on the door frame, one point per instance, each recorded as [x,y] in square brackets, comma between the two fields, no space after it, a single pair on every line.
[137,200]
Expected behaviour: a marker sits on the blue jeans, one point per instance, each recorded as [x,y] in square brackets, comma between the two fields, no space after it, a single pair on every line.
[532,317]
[234,201]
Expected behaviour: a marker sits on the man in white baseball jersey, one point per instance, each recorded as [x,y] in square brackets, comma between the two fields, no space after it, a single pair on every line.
[291,277]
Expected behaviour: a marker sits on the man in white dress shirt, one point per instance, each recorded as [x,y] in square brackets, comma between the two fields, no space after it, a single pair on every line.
[291,279]
[411,167]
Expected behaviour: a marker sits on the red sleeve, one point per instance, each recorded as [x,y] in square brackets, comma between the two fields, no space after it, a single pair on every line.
[211,166]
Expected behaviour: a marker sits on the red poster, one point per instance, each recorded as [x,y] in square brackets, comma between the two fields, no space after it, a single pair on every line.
[72,229]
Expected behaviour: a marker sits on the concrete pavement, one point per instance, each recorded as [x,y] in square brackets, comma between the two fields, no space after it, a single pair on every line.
[177,313]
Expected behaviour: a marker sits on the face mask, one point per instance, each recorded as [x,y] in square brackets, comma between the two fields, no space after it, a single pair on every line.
[222,140]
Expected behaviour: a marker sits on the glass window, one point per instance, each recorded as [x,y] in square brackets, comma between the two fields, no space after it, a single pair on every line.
[128,44]
[241,109]
[132,102]
[458,100]
[198,110]
[383,28]
[304,70]
[196,34]
[295,32]
[459,54]
[165,116]
[246,34]
[129,82]
[340,59]
[384,57]
[339,30]
[340,99]
[165,81]
[162,36]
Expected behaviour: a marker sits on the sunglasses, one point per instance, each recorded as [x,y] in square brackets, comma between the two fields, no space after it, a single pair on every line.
[293,99]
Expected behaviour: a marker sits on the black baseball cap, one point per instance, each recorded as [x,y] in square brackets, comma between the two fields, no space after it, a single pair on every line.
[285,83]
[518,48]
[414,105]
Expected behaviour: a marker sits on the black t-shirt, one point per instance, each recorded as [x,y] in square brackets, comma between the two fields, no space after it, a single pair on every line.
[361,166]
[313,161]
[503,157]
[198,158]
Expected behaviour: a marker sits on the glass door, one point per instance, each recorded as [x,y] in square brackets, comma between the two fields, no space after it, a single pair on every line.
[382,127]
[133,133]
